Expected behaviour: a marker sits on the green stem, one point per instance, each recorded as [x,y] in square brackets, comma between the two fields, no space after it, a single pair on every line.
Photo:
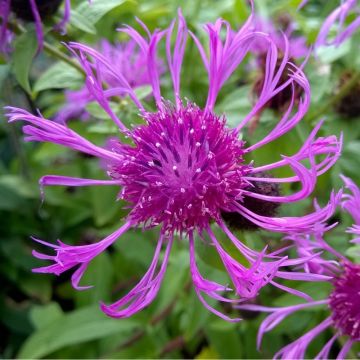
[343,91]
[51,50]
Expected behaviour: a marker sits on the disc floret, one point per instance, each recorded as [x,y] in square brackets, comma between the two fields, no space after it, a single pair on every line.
[184,168]
[344,301]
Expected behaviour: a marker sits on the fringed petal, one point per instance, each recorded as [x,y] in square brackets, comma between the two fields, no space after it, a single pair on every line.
[338,17]
[329,146]
[70,256]
[44,130]
[278,314]
[38,24]
[297,349]
[146,290]
[345,349]
[210,288]
[61,26]
[149,50]
[224,57]
[175,60]
[325,351]
[101,65]
[307,178]
[351,202]
[247,281]
[301,224]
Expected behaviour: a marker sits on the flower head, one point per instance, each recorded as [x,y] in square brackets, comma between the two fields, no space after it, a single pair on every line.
[296,48]
[30,10]
[126,59]
[185,168]
[338,19]
[296,44]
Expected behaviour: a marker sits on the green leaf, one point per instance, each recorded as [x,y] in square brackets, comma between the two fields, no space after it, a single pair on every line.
[42,316]
[81,22]
[74,328]
[19,186]
[224,338]
[143,91]
[97,111]
[99,275]
[59,76]
[24,50]
[208,353]
[328,54]
[37,287]
[195,316]
[103,203]
[98,8]
[4,71]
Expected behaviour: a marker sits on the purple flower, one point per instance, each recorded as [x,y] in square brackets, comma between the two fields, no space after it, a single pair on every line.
[296,44]
[338,18]
[185,167]
[126,59]
[343,302]
[296,48]
[30,10]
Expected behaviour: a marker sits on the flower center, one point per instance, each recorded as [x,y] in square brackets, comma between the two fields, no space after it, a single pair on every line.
[185,167]
[345,301]
[22,8]
[280,101]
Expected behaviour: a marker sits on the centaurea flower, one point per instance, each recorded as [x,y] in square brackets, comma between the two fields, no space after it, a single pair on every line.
[297,49]
[185,167]
[127,60]
[30,10]
[297,44]
[343,302]
[337,18]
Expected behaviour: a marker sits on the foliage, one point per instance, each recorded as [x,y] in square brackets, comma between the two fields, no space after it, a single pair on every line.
[42,316]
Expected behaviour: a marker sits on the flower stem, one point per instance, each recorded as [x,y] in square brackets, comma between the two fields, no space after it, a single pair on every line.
[48,48]
[51,50]
[343,92]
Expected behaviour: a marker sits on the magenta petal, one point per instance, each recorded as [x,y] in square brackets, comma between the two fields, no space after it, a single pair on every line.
[210,288]
[44,130]
[69,256]
[338,17]
[146,290]
[175,60]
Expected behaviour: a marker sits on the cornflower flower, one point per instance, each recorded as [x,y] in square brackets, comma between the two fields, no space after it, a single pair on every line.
[338,19]
[126,59]
[297,44]
[30,10]
[343,302]
[185,167]
[297,49]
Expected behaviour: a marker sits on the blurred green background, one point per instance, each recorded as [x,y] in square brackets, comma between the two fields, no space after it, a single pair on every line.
[41,315]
